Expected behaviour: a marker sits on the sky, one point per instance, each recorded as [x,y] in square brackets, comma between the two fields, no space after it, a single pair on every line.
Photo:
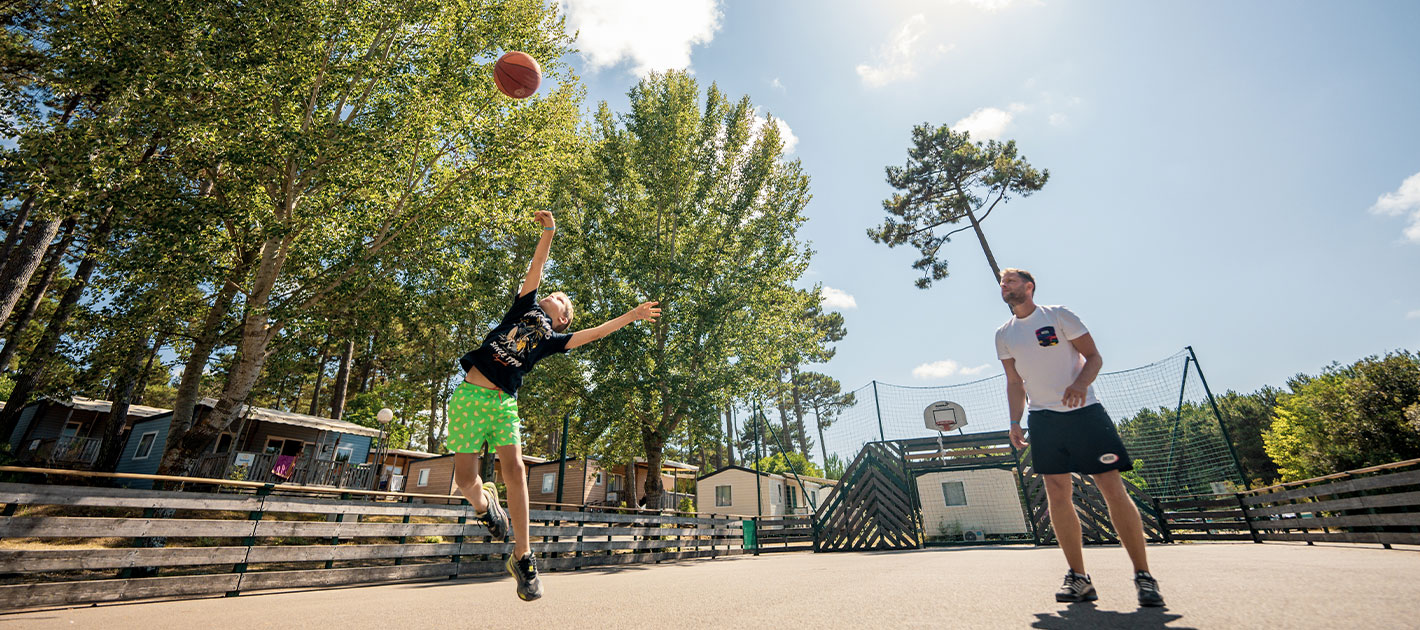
[1243,177]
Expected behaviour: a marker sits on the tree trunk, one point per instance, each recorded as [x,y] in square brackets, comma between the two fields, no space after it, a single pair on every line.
[818,420]
[655,454]
[981,236]
[17,228]
[367,364]
[203,344]
[27,258]
[320,375]
[785,440]
[27,313]
[39,359]
[799,425]
[342,381]
[128,376]
[252,352]
[730,434]
[142,386]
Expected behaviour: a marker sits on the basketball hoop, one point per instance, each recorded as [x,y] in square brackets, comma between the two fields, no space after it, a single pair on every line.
[944,416]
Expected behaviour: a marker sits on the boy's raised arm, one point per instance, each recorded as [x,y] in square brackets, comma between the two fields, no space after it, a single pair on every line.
[648,311]
[544,245]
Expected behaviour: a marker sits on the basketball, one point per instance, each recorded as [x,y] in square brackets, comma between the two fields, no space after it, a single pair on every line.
[517,74]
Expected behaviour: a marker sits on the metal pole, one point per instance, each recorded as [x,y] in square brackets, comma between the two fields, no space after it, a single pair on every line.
[562,458]
[1226,438]
[758,493]
[881,435]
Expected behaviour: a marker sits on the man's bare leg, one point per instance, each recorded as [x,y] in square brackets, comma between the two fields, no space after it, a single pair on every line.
[1059,491]
[1125,517]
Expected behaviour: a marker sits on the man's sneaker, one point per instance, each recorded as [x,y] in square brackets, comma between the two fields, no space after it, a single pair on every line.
[495,519]
[1077,588]
[525,572]
[1148,589]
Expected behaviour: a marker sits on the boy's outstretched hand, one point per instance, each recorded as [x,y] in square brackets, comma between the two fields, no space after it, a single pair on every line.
[647,311]
[544,218]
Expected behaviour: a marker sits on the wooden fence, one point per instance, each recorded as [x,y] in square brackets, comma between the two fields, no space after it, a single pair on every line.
[1380,505]
[75,544]
[784,533]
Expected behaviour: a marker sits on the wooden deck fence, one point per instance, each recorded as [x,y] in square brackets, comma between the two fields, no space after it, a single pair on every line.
[1380,504]
[75,544]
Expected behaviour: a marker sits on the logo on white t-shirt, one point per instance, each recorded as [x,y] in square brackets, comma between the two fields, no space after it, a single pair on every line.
[1046,336]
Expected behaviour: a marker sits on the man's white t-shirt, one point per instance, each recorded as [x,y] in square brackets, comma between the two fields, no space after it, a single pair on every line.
[1045,358]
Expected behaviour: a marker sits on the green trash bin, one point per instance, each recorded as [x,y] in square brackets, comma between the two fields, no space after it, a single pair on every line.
[751,535]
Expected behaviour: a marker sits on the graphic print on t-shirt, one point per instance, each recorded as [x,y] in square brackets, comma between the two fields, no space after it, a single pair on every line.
[1046,336]
[515,347]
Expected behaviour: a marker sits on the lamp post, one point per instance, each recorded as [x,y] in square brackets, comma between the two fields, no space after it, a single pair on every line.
[384,416]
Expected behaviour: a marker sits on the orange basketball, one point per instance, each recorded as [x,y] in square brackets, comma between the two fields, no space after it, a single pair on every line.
[517,74]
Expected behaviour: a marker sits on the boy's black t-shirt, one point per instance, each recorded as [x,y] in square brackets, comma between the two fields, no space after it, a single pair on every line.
[522,339]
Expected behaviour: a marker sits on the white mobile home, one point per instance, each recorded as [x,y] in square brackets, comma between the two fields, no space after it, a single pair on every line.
[732,490]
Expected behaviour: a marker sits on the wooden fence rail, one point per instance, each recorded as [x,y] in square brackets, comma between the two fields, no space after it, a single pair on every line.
[784,533]
[77,544]
[1378,505]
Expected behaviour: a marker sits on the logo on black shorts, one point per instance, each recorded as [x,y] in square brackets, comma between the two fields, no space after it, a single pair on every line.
[1108,458]
[1046,336]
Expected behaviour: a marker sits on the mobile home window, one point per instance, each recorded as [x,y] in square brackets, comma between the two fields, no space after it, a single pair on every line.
[597,479]
[145,445]
[344,452]
[424,477]
[722,496]
[954,493]
[549,483]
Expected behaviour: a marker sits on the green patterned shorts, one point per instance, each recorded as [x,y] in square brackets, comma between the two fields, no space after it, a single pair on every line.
[478,414]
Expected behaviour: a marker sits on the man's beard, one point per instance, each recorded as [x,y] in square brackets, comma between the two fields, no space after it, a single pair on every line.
[1013,299]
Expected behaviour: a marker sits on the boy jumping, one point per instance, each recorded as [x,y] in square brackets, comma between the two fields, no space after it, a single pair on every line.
[484,408]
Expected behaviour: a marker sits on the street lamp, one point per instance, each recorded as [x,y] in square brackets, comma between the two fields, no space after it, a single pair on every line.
[384,416]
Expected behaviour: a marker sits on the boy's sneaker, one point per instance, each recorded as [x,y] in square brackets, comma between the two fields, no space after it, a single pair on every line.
[1148,589]
[525,572]
[1077,588]
[495,519]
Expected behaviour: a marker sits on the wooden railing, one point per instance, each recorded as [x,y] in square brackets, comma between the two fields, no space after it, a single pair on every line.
[784,533]
[76,544]
[320,472]
[1380,504]
[63,450]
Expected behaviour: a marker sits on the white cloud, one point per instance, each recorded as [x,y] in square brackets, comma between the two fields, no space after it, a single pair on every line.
[945,368]
[653,35]
[1058,119]
[988,123]
[834,298]
[786,135]
[893,61]
[1415,314]
[776,84]
[1404,201]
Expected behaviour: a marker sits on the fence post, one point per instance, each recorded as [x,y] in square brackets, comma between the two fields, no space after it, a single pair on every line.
[882,436]
[1247,519]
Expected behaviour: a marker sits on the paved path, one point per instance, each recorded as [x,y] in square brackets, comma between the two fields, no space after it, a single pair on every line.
[1207,585]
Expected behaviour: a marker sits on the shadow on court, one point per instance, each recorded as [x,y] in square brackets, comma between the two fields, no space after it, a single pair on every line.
[1087,615]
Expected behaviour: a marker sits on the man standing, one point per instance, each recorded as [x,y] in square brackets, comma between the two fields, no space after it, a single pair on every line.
[1051,361]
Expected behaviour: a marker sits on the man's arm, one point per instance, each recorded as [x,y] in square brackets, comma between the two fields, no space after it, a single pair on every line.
[1015,400]
[646,310]
[1075,393]
[544,246]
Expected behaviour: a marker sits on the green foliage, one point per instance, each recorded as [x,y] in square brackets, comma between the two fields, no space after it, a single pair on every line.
[1247,417]
[835,466]
[1177,450]
[785,463]
[1347,417]
[682,200]
[949,178]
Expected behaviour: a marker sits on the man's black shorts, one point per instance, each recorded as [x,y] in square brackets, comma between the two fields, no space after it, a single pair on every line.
[1081,441]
